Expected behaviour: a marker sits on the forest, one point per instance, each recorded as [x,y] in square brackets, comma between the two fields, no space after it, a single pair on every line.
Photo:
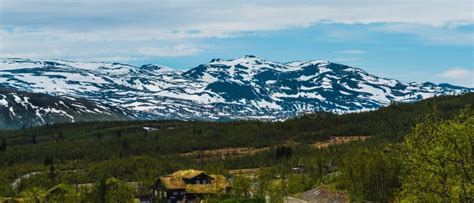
[119,161]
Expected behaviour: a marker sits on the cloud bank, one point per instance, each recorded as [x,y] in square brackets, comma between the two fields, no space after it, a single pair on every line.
[135,29]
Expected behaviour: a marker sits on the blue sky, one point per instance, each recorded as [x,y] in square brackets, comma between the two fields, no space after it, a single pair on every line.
[406,40]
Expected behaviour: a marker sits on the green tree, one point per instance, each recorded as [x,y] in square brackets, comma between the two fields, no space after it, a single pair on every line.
[438,160]
[62,193]
[3,145]
[241,186]
[125,144]
[61,136]
[33,139]
[264,178]
[371,174]
[34,195]
[110,191]
[118,133]
[5,186]
[298,183]
[274,191]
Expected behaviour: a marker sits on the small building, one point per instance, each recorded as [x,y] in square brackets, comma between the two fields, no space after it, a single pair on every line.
[149,128]
[190,186]
[300,168]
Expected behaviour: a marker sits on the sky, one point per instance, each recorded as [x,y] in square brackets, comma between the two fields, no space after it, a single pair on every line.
[408,40]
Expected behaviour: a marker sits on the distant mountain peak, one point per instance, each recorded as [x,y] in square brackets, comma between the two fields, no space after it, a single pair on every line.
[247,59]
[215,60]
[154,67]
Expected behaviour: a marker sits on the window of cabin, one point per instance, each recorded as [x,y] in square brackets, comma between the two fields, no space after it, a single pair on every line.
[175,193]
[182,192]
[204,182]
[197,182]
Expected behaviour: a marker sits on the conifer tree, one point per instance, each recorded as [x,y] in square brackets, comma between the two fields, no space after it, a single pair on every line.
[3,146]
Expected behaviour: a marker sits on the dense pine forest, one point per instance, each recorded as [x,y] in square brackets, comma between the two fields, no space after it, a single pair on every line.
[409,152]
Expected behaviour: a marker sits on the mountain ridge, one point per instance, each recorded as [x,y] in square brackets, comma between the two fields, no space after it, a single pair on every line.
[248,87]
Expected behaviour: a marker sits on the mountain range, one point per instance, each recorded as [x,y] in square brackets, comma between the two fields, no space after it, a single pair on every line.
[249,87]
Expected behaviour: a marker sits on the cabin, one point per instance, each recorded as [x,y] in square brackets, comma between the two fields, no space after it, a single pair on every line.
[188,186]
[147,128]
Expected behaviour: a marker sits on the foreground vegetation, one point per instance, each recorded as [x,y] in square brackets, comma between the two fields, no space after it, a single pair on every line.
[417,152]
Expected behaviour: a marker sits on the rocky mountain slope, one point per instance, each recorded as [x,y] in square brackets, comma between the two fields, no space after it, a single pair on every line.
[249,87]
[22,109]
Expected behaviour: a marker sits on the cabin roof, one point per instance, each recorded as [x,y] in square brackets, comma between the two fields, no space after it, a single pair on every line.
[175,181]
[172,183]
[188,174]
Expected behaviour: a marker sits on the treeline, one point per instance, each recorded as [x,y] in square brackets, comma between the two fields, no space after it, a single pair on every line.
[102,140]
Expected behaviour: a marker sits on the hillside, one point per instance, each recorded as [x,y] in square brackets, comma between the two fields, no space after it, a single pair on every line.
[91,140]
[19,109]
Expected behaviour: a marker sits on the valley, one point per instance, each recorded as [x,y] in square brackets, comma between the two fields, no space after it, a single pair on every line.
[254,101]
[322,152]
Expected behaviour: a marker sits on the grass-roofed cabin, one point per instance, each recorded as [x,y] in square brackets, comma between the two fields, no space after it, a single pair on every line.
[190,186]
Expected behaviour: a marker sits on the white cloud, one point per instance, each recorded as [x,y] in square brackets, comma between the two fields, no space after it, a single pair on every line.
[348,59]
[434,35]
[179,50]
[107,29]
[245,14]
[352,51]
[459,76]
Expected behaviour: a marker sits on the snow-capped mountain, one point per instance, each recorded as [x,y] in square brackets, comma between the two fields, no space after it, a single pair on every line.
[23,109]
[249,87]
